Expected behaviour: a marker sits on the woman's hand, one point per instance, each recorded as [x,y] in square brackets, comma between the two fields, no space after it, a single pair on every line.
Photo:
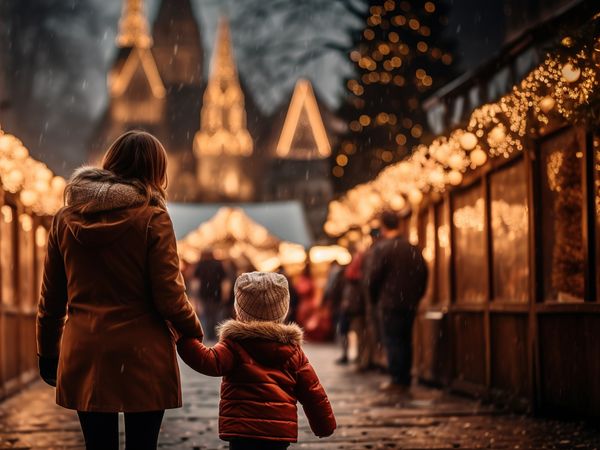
[48,368]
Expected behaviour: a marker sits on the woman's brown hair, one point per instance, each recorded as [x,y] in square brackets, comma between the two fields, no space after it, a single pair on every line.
[138,155]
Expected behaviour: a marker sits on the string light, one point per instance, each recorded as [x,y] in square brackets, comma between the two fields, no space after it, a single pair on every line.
[555,88]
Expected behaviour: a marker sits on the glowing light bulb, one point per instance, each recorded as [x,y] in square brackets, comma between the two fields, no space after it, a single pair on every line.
[478,157]
[415,196]
[497,136]
[468,141]
[570,73]
[455,177]
[546,104]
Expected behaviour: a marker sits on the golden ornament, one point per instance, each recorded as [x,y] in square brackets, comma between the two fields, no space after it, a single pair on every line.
[468,141]
[570,73]
[567,41]
[546,104]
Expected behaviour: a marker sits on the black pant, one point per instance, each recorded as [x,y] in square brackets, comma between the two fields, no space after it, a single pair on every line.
[256,444]
[396,335]
[101,430]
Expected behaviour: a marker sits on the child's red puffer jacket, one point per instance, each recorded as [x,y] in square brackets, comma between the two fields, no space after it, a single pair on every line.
[265,372]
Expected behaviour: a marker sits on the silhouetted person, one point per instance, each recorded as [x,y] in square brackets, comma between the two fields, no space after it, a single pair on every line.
[397,280]
[332,299]
[210,274]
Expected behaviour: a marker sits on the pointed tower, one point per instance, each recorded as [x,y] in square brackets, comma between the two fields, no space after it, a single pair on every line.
[300,168]
[179,55]
[303,135]
[177,44]
[223,144]
[134,81]
[136,90]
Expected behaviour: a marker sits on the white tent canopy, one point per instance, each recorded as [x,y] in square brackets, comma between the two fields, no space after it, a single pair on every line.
[284,220]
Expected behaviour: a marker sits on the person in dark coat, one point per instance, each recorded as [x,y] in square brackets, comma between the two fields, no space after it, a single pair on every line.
[210,274]
[397,280]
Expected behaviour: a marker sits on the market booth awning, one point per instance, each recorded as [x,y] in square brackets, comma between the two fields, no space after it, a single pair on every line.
[265,236]
[284,220]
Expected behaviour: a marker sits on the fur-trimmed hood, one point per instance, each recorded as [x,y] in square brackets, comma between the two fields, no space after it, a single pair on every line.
[289,334]
[269,343]
[102,190]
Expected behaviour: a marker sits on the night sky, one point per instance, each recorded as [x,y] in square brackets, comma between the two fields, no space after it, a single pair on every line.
[72,96]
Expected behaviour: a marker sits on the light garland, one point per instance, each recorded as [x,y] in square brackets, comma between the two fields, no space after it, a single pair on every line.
[563,87]
[36,186]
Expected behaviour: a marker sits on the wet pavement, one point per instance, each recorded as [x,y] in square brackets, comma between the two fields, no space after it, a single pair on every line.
[367,419]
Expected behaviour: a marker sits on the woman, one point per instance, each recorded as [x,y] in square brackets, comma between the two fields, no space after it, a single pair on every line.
[113,298]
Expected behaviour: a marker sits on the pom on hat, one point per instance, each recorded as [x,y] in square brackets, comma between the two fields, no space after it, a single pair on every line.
[261,296]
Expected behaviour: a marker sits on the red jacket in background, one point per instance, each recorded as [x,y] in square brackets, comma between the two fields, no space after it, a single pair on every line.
[265,372]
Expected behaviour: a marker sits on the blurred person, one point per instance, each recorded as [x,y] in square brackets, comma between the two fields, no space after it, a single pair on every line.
[264,369]
[231,274]
[332,299]
[294,298]
[353,306]
[372,356]
[112,264]
[306,289]
[311,314]
[397,280]
[210,275]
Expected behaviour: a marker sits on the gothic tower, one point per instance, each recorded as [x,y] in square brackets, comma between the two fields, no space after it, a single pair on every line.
[179,55]
[136,91]
[223,146]
[300,165]
[156,84]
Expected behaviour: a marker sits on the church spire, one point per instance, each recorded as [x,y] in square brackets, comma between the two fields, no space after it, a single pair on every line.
[223,117]
[135,65]
[133,26]
[303,135]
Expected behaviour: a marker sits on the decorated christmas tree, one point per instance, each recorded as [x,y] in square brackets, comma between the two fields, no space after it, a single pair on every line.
[400,57]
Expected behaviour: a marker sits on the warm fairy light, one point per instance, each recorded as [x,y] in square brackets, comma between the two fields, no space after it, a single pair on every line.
[546,104]
[134,34]
[30,179]
[303,108]
[570,73]
[133,26]
[493,130]
[41,236]
[223,116]
[118,82]
[26,222]
[469,216]
[327,254]
[468,141]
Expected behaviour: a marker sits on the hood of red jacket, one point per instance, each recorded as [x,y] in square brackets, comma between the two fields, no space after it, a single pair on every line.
[269,343]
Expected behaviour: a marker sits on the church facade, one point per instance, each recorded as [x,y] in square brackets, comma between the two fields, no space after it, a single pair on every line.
[222,149]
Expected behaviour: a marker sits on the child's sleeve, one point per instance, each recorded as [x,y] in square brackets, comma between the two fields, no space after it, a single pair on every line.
[314,400]
[213,361]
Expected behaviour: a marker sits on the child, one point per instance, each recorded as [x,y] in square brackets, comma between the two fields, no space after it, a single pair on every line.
[264,370]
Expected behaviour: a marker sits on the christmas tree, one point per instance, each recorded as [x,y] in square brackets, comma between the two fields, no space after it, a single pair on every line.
[400,57]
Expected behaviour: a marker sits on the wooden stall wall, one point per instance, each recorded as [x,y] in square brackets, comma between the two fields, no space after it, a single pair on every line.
[513,313]
[20,257]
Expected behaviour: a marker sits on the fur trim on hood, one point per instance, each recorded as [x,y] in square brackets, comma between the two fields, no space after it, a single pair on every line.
[272,331]
[102,190]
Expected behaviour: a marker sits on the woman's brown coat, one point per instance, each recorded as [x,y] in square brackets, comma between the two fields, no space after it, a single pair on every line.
[111,288]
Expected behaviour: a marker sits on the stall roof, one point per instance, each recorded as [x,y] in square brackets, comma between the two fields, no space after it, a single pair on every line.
[286,220]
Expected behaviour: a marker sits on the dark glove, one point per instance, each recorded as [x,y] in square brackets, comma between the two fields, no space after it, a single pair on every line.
[48,368]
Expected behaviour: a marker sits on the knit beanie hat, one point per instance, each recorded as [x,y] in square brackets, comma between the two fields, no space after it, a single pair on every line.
[261,296]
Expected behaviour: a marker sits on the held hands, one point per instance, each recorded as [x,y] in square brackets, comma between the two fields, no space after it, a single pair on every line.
[48,368]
